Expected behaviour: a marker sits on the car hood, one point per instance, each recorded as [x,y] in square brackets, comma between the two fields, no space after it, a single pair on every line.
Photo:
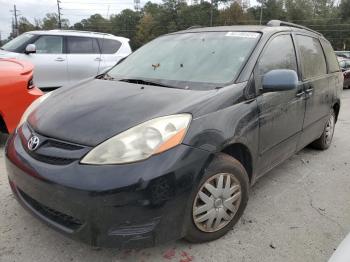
[95,110]
[7,54]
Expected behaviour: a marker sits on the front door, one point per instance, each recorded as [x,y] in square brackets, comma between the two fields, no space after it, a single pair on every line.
[50,62]
[281,114]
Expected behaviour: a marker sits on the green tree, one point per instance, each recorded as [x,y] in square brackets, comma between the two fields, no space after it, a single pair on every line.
[272,9]
[344,9]
[146,30]
[233,15]
[24,25]
[299,10]
[50,21]
[96,23]
[125,24]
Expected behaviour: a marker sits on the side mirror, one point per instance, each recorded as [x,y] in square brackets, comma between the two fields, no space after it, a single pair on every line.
[280,80]
[30,49]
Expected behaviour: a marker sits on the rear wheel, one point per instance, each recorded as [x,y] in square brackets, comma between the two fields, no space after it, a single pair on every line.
[219,200]
[325,140]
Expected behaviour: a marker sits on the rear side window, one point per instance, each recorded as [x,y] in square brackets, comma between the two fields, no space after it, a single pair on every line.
[279,54]
[109,46]
[49,44]
[82,45]
[332,60]
[312,57]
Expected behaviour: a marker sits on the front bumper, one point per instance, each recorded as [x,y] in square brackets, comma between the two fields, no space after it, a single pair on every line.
[133,205]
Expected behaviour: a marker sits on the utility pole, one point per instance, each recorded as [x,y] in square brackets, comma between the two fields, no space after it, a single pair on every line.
[15,14]
[137,5]
[261,13]
[211,13]
[59,14]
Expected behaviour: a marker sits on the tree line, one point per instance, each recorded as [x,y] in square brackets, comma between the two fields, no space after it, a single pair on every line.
[326,16]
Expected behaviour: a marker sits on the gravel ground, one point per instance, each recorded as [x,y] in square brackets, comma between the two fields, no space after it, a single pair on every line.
[297,212]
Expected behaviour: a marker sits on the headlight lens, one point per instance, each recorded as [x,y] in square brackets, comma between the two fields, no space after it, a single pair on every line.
[141,142]
[32,107]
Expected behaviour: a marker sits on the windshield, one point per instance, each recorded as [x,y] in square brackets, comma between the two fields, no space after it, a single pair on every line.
[17,42]
[190,60]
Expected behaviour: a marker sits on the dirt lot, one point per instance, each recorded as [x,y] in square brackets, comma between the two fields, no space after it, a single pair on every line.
[298,212]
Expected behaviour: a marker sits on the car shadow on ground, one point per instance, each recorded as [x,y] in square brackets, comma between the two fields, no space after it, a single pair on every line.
[3,139]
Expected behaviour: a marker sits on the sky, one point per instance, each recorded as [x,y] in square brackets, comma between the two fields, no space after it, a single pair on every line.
[74,10]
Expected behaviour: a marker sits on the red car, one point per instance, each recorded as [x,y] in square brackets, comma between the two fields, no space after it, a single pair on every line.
[17,92]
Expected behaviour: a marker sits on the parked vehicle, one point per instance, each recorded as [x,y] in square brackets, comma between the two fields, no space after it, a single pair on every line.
[345,67]
[345,54]
[63,57]
[184,126]
[342,253]
[17,92]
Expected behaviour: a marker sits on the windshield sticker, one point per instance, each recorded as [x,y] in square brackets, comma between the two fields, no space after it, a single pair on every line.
[243,34]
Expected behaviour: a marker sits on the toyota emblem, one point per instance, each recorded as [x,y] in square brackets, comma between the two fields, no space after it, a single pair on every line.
[33,143]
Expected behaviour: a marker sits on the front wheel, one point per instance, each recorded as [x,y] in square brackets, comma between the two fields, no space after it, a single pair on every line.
[325,140]
[219,200]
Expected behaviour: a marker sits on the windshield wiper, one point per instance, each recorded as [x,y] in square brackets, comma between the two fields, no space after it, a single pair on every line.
[145,82]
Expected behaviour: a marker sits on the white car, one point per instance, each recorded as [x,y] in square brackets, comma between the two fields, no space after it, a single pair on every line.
[64,57]
[342,253]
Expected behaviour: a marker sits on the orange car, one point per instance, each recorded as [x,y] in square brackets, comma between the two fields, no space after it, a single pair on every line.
[17,92]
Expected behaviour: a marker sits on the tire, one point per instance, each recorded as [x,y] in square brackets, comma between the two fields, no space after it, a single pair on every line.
[325,140]
[232,173]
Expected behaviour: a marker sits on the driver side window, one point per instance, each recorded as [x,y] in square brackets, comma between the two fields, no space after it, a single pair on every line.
[49,44]
[279,54]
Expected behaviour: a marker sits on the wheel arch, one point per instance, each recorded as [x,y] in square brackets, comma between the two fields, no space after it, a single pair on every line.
[3,127]
[242,153]
[336,108]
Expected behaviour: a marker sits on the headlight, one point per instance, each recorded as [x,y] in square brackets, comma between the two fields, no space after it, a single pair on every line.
[141,142]
[32,107]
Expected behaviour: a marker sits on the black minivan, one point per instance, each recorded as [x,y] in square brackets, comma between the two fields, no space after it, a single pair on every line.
[166,144]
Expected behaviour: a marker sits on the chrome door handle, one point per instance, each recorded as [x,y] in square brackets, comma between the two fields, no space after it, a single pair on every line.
[98,59]
[300,94]
[309,91]
[59,59]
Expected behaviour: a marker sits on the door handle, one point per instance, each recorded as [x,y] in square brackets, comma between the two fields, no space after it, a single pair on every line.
[98,59]
[300,94]
[309,91]
[59,59]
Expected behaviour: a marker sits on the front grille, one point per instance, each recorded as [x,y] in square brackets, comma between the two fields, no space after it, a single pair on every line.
[50,159]
[54,215]
[52,151]
[62,145]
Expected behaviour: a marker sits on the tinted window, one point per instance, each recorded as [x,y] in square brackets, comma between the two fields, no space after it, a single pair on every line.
[331,58]
[49,44]
[279,54]
[312,57]
[82,45]
[109,46]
